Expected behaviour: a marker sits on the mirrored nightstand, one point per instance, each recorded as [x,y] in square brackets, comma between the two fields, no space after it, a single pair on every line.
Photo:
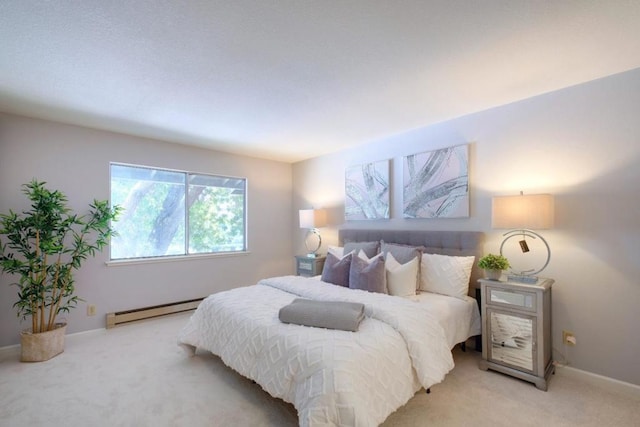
[516,329]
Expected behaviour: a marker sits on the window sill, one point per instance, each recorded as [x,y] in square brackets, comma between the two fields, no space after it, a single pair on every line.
[177,258]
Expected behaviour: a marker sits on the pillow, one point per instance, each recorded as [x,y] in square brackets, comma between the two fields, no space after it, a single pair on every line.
[402,253]
[369,248]
[364,256]
[447,275]
[341,315]
[336,250]
[401,278]
[368,276]
[336,270]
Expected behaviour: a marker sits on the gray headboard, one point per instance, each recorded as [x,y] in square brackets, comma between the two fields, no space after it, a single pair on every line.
[460,243]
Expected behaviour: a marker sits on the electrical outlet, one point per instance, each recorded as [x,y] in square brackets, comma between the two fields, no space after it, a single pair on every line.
[91,310]
[568,338]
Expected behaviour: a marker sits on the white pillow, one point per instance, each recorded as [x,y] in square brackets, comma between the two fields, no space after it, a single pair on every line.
[363,256]
[337,251]
[447,275]
[401,278]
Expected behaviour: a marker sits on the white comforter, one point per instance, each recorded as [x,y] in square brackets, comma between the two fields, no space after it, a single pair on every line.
[332,377]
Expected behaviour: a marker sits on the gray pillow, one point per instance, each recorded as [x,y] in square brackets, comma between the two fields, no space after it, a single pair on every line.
[336,270]
[323,314]
[371,249]
[402,253]
[370,277]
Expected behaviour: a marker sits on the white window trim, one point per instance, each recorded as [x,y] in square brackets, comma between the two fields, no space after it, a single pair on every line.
[173,258]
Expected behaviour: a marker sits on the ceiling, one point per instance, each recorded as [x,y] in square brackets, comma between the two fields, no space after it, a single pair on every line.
[292,79]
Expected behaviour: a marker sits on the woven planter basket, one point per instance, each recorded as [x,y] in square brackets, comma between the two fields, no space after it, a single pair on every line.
[42,346]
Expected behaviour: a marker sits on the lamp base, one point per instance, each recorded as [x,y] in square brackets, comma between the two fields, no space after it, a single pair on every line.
[527,276]
[313,251]
[522,278]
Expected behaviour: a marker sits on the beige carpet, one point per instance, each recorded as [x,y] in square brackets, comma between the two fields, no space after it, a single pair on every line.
[136,375]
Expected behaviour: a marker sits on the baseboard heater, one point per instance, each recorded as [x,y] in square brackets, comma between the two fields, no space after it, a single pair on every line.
[127,316]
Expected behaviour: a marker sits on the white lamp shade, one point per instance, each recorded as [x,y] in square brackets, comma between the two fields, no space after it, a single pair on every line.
[533,211]
[313,218]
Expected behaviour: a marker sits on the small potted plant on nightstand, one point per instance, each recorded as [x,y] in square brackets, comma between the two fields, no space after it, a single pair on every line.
[493,265]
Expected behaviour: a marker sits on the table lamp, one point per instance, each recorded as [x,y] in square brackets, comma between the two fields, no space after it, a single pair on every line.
[523,214]
[312,219]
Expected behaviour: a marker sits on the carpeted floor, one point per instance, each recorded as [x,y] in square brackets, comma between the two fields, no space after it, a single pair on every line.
[136,375]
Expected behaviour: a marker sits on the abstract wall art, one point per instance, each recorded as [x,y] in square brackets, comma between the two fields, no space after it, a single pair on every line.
[436,183]
[367,191]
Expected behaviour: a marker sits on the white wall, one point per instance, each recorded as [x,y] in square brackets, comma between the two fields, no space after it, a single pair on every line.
[76,160]
[580,144]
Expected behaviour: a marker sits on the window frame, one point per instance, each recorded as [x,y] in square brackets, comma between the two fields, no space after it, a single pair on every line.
[186,255]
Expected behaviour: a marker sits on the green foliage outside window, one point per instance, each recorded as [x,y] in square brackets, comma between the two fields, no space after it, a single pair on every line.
[154,223]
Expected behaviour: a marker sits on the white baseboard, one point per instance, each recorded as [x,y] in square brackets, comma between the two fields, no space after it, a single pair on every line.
[600,379]
[13,349]
[9,350]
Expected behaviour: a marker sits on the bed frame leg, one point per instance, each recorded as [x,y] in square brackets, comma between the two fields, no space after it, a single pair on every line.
[428,391]
[463,346]
[189,349]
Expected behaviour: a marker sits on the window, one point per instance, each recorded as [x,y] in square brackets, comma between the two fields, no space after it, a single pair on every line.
[154,223]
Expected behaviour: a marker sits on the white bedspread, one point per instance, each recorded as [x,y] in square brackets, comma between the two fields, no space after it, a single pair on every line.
[460,319]
[332,377]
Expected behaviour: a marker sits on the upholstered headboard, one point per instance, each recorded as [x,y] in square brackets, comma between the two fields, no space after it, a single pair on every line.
[457,243]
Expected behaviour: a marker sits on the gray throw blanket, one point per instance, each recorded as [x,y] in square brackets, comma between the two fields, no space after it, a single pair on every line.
[341,315]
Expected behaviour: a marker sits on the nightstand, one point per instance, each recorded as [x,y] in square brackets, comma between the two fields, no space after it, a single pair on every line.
[516,329]
[309,266]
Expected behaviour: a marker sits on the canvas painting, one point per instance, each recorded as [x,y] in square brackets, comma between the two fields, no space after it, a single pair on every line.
[436,183]
[367,191]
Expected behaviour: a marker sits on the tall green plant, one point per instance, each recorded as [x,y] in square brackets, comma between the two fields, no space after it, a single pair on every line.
[43,247]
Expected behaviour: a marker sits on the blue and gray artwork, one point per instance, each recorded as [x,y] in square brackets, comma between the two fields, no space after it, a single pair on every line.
[367,191]
[436,183]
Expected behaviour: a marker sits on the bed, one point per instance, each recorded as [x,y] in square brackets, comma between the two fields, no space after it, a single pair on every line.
[333,376]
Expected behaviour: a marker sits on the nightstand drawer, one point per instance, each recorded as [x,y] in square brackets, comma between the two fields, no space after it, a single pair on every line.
[508,298]
[305,265]
[308,266]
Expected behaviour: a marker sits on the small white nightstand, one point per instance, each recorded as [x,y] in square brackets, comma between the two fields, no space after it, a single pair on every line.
[516,329]
[309,266]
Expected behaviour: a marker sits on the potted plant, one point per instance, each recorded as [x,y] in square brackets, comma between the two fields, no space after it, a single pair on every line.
[493,265]
[42,247]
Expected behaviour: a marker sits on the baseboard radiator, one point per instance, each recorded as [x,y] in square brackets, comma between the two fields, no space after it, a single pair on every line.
[128,316]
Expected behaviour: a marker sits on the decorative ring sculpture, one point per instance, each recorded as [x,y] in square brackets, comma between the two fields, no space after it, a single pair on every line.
[312,252]
[533,235]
